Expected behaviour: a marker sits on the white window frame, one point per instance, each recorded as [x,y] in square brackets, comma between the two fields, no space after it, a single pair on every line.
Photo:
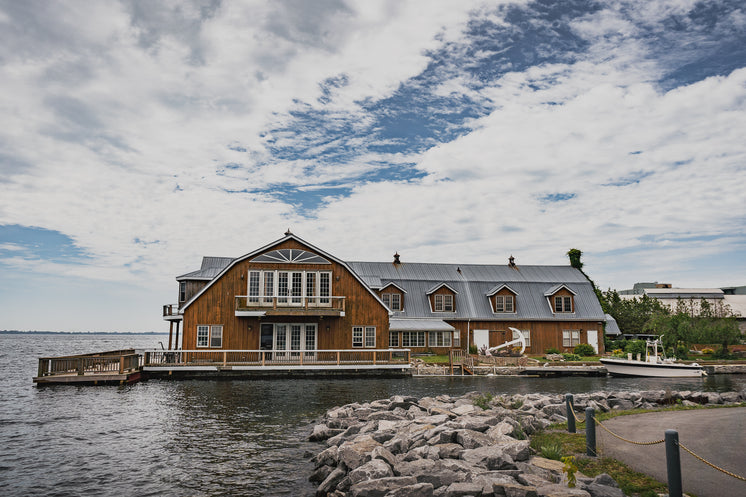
[570,338]
[297,288]
[370,337]
[439,338]
[203,336]
[504,304]
[182,291]
[443,302]
[358,336]
[413,339]
[216,337]
[396,302]
[393,338]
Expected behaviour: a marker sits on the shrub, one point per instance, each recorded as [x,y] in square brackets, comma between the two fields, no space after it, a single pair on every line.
[722,353]
[584,349]
[635,347]
[552,350]
[518,433]
[619,353]
[483,401]
[551,451]
[682,352]
[707,351]
[473,349]
[571,357]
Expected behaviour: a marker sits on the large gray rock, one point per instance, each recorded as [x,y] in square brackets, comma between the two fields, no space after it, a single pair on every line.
[470,439]
[382,486]
[326,457]
[557,490]
[385,455]
[621,404]
[372,470]
[417,490]
[488,457]
[355,453]
[596,490]
[449,450]
[414,468]
[463,489]
[519,450]
[331,481]
[323,432]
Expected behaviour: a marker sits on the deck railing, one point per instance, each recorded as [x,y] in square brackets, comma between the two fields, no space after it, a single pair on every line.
[117,362]
[276,357]
[170,310]
[247,303]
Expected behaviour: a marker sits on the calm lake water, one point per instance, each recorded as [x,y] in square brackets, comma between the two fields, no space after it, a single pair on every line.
[199,437]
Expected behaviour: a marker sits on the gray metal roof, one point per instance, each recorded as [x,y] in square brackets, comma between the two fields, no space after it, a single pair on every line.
[474,282]
[399,324]
[612,328]
[211,267]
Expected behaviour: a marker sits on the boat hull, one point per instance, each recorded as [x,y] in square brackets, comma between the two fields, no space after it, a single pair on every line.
[623,367]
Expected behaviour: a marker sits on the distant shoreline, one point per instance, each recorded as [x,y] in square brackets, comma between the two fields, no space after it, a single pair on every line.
[17,332]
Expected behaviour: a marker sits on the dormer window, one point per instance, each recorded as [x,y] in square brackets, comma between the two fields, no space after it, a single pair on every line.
[562,303]
[504,303]
[560,299]
[392,301]
[443,303]
[503,299]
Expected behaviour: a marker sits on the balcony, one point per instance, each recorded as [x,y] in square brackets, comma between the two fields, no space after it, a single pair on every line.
[171,313]
[289,306]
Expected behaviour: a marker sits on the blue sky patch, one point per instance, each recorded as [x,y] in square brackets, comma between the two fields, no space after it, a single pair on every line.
[38,243]
[557,197]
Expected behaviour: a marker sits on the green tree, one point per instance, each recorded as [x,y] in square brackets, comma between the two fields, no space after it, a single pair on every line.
[632,314]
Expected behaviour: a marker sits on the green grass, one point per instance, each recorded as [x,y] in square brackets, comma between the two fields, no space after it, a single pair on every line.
[573,444]
[434,359]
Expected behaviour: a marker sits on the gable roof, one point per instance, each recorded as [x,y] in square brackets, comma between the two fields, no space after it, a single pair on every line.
[499,287]
[288,236]
[557,288]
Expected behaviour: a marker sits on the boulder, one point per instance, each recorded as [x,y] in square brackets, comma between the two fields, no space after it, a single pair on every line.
[331,481]
[384,454]
[470,439]
[357,452]
[323,432]
[382,486]
[327,457]
[557,490]
[417,490]
[488,457]
[449,450]
[372,470]
[463,489]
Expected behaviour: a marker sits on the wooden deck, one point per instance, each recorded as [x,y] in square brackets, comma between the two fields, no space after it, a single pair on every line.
[127,366]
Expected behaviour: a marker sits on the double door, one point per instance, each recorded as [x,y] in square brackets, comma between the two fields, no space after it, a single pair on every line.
[285,338]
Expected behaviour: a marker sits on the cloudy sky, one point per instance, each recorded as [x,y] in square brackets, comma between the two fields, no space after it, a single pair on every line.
[138,136]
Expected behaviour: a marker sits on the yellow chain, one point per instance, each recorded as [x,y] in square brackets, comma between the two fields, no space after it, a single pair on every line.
[712,465]
[654,442]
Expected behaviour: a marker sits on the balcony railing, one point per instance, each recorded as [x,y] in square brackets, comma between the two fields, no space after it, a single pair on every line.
[191,358]
[115,362]
[171,311]
[325,305]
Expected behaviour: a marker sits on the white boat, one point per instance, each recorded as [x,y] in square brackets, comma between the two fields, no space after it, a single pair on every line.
[653,365]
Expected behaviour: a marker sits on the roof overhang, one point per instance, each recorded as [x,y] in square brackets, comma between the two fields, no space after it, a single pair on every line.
[404,324]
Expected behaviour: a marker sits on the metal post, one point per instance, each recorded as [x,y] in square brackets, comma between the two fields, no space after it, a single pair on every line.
[570,413]
[590,432]
[673,463]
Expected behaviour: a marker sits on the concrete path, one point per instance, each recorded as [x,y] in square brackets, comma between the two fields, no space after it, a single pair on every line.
[717,435]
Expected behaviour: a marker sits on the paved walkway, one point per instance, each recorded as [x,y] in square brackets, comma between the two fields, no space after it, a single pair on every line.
[717,435]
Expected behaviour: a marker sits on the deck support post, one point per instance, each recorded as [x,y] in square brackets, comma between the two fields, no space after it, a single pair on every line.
[673,463]
[176,344]
[570,413]
[590,432]
[170,333]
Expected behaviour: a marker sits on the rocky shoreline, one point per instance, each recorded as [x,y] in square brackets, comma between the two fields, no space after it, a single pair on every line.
[473,445]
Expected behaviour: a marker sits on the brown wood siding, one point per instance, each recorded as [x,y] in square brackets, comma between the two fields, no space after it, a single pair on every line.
[216,306]
[544,334]
[192,288]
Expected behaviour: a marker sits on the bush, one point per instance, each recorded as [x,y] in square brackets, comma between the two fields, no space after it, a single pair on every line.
[635,347]
[552,350]
[473,349]
[584,349]
[707,351]
[551,451]
[571,357]
[722,353]
[682,352]
[483,401]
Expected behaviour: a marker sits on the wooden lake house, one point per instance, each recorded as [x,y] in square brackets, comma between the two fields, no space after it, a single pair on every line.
[292,300]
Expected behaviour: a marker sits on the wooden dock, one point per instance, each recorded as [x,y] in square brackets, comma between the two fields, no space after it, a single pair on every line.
[117,367]
[554,371]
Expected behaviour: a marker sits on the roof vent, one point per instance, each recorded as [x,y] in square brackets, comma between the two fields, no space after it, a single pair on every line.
[511,261]
[288,232]
[396,258]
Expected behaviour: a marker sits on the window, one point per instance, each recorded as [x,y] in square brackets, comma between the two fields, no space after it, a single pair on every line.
[570,338]
[413,338]
[440,339]
[526,335]
[325,287]
[504,303]
[457,338]
[254,286]
[443,303]
[393,338]
[370,336]
[269,286]
[396,302]
[216,336]
[182,291]
[311,288]
[563,304]
[282,287]
[357,336]
[392,301]
[203,336]
[209,336]
[310,337]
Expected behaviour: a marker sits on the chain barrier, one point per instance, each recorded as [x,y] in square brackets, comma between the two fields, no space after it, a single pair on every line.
[653,442]
[712,465]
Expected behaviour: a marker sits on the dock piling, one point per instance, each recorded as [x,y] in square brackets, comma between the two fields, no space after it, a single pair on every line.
[570,413]
[590,432]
